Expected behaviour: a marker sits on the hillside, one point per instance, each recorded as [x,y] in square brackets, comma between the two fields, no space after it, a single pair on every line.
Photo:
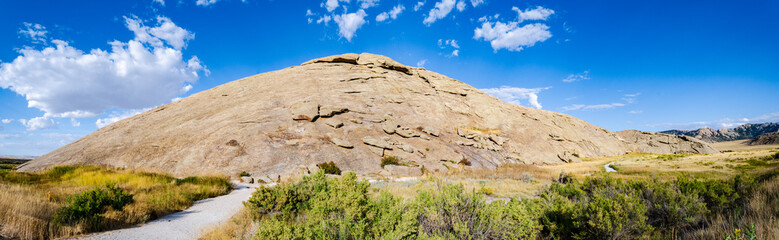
[746,131]
[353,110]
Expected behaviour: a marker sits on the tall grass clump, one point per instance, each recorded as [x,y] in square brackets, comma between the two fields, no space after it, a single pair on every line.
[71,200]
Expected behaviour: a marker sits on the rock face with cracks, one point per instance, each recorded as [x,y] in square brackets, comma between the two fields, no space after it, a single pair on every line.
[350,109]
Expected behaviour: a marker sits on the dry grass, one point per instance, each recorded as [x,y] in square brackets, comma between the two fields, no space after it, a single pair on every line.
[240,226]
[28,201]
[762,210]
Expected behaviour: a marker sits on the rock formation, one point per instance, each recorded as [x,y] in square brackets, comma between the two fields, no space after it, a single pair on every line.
[746,131]
[664,143]
[350,109]
[765,139]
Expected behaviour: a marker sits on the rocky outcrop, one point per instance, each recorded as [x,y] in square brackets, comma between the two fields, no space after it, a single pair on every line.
[664,143]
[765,139]
[746,131]
[352,109]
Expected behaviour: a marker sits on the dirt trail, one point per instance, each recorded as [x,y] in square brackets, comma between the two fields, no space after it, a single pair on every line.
[187,224]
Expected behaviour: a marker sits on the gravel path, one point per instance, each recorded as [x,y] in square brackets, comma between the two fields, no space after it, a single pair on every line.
[187,224]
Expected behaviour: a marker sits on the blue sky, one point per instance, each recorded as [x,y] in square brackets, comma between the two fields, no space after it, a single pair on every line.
[70,67]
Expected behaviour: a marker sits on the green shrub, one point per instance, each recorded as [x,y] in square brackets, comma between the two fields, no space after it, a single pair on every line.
[390,160]
[329,168]
[89,205]
[243,174]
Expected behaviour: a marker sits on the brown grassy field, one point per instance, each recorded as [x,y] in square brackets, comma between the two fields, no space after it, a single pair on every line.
[29,202]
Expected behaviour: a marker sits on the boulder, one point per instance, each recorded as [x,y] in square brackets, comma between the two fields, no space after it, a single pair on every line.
[379,143]
[334,123]
[305,111]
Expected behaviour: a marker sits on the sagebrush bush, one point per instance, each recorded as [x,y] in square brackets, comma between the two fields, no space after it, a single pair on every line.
[390,160]
[88,206]
[329,168]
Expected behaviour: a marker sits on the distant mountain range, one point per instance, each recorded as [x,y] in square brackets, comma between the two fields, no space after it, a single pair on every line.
[746,131]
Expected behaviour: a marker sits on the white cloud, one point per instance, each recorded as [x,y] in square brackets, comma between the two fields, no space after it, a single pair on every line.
[515,94]
[368,3]
[510,35]
[630,98]
[578,77]
[331,5]
[35,32]
[592,107]
[461,6]
[717,124]
[324,19]
[7,121]
[348,23]
[539,13]
[38,123]
[117,116]
[636,111]
[67,82]
[74,122]
[440,11]
[396,11]
[309,13]
[382,16]
[419,5]
[422,63]
[161,2]
[449,42]
[443,44]
[5,136]
[476,2]
[205,2]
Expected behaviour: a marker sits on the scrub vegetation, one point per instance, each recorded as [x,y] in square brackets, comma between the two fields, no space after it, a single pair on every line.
[71,200]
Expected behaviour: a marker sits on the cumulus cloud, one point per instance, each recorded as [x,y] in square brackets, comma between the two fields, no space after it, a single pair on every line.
[577,77]
[35,32]
[510,35]
[419,5]
[592,107]
[382,16]
[461,6]
[331,5]
[636,111]
[476,2]
[368,3]
[7,121]
[204,3]
[116,116]
[455,53]
[324,19]
[515,94]
[66,82]
[348,23]
[441,9]
[539,13]
[38,123]
[161,2]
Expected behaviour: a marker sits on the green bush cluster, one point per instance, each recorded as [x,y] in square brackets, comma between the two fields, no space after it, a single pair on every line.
[600,207]
[318,207]
[88,206]
[329,168]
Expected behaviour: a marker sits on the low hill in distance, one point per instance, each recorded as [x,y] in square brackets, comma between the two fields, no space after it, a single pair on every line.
[353,110]
[746,131]
[765,139]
